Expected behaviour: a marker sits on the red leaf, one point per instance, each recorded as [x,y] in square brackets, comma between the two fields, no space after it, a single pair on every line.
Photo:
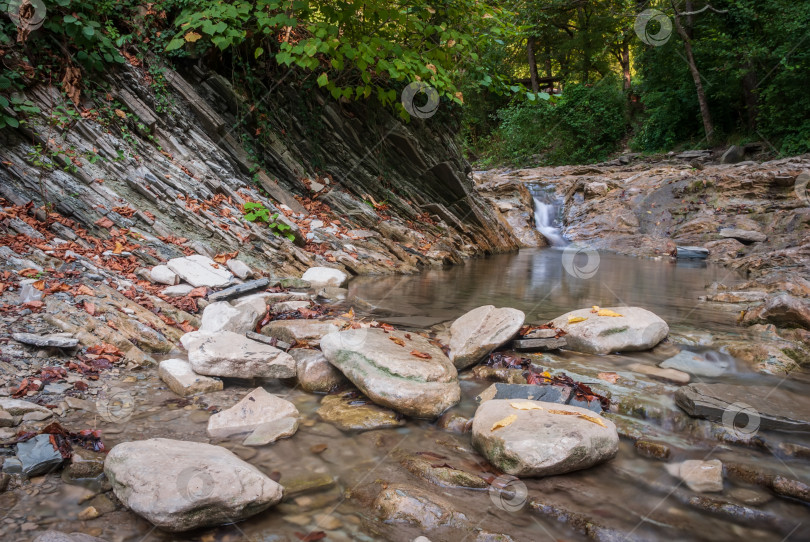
[422,355]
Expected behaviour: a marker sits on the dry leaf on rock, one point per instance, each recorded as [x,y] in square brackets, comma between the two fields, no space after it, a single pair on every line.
[576,319]
[525,405]
[608,312]
[509,420]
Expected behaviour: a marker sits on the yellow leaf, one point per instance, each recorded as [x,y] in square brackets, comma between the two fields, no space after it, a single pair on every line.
[120,113]
[119,248]
[595,309]
[525,405]
[593,419]
[504,422]
[349,314]
[191,37]
[608,312]
[564,412]
[576,319]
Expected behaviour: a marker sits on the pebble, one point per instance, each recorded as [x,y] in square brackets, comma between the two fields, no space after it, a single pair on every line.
[89,513]
[328,522]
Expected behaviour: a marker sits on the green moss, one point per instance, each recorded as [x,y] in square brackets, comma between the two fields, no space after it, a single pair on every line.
[613,331]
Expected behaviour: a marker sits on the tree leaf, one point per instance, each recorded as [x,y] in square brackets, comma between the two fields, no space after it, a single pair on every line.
[509,420]
[576,319]
[608,312]
[525,405]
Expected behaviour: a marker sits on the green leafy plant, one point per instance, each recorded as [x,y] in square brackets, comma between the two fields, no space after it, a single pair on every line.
[256,212]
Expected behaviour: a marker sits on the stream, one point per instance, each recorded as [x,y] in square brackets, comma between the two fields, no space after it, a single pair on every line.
[629,498]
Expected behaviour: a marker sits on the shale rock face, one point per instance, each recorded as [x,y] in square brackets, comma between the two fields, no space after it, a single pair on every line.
[414,377]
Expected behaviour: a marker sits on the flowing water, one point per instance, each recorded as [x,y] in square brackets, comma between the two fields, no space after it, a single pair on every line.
[629,498]
[547,213]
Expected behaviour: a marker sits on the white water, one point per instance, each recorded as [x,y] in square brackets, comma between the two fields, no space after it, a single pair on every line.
[545,217]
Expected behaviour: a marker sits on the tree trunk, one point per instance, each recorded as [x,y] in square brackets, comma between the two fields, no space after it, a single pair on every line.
[532,65]
[708,127]
[625,62]
[750,85]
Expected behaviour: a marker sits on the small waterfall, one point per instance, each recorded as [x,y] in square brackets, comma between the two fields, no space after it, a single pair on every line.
[547,209]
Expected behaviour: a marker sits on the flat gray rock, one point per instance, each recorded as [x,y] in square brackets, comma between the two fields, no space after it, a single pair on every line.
[270,432]
[232,355]
[743,236]
[253,410]
[539,345]
[239,289]
[179,485]
[38,456]
[547,393]
[58,341]
[746,408]
[200,271]
[57,536]
[544,440]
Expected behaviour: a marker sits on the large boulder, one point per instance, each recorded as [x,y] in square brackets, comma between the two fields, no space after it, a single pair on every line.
[399,370]
[325,276]
[179,485]
[542,439]
[315,373]
[239,318]
[200,270]
[480,331]
[256,408]
[232,355]
[300,331]
[635,330]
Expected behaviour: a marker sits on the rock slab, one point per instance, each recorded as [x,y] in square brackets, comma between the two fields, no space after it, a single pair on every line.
[255,409]
[182,380]
[385,368]
[179,485]
[58,341]
[541,442]
[229,354]
[477,333]
[636,330]
[325,276]
[200,270]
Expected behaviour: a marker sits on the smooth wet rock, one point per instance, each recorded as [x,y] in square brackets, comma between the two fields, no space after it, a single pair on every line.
[239,318]
[53,340]
[315,373]
[255,409]
[542,333]
[730,404]
[547,393]
[58,536]
[695,364]
[542,443]
[270,432]
[441,475]
[699,476]
[179,485]
[407,504]
[239,289]
[182,380]
[673,375]
[163,275]
[39,456]
[293,331]
[390,374]
[84,464]
[477,333]
[692,253]
[239,268]
[200,270]
[636,330]
[229,354]
[743,236]
[352,413]
[178,291]
[325,276]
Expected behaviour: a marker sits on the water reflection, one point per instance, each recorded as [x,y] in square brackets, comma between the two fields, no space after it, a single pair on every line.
[535,282]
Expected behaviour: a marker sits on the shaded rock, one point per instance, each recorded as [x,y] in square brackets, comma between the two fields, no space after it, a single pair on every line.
[695,364]
[542,333]
[178,291]
[272,431]
[699,476]
[477,333]
[182,380]
[84,464]
[53,340]
[653,449]
[692,253]
[163,275]
[288,306]
[325,276]
[255,409]
[547,393]
[293,331]
[782,310]
[637,329]
[239,268]
[595,190]
[200,270]
[18,407]
[315,373]
[307,483]
[672,375]
[39,456]
[180,485]
[241,318]
[542,443]
[733,155]
[454,422]
[390,374]
[746,408]
[743,236]
[239,289]
[232,355]
[350,413]
[539,345]
[443,476]
[406,504]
